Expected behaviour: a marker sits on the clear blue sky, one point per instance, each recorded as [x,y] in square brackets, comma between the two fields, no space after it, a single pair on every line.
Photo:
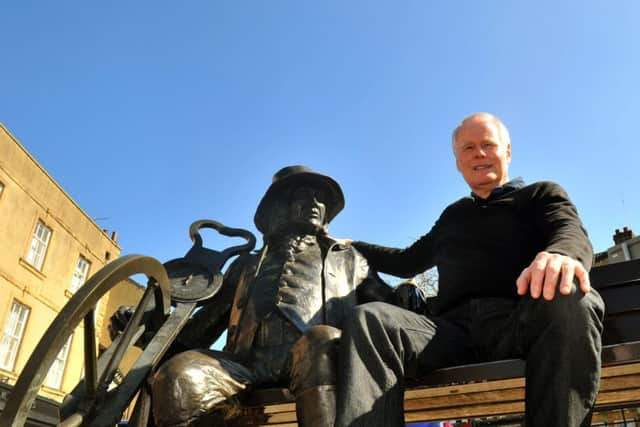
[152,114]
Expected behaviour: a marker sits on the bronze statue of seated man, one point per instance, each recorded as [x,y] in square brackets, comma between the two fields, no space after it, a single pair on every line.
[288,305]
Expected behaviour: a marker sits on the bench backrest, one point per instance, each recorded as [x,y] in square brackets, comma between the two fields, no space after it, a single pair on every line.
[619,285]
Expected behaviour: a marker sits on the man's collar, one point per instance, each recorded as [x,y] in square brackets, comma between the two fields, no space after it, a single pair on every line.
[505,188]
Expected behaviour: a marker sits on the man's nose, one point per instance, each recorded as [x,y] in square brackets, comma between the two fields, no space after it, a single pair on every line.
[479,152]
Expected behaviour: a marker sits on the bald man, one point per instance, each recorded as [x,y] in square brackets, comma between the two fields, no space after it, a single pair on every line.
[513,263]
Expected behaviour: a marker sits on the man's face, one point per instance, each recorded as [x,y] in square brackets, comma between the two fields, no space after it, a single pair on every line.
[307,207]
[481,156]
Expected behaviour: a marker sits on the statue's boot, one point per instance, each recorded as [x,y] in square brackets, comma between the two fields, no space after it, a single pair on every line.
[316,406]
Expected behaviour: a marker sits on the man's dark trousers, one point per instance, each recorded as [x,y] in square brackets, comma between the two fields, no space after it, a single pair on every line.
[560,339]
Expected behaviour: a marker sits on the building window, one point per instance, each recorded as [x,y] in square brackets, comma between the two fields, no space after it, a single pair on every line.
[39,243]
[12,335]
[80,273]
[54,377]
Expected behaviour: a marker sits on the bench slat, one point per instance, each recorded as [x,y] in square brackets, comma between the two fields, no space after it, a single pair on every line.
[424,392]
[609,387]
[465,399]
[613,416]
[622,328]
[504,407]
[612,274]
[621,298]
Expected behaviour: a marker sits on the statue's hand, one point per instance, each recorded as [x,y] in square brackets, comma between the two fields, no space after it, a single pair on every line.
[409,296]
[118,322]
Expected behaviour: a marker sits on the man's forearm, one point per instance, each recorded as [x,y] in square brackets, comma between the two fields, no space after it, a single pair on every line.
[394,261]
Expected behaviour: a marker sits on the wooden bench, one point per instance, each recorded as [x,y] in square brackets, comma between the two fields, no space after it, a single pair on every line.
[493,390]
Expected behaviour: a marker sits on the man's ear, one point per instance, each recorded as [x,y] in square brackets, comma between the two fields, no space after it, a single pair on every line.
[509,152]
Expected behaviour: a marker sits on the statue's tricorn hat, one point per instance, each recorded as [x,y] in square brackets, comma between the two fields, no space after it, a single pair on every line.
[294,176]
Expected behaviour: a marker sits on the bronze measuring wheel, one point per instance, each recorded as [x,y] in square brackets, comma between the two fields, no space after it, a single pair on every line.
[81,409]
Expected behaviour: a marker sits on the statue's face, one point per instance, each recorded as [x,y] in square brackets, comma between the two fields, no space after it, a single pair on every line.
[307,207]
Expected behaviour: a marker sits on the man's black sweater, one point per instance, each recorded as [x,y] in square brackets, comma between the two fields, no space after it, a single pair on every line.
[481,246]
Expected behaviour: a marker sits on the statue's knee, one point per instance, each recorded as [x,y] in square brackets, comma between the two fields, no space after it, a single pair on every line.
[191,385]
[175,388]
[167,376]
[314,357]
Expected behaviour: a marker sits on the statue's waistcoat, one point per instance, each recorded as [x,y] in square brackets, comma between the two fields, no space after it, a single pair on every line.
[290,278]
[299,280]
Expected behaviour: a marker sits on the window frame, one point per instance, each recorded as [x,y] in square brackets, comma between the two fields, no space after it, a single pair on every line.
[16,337]
[59,363]
[77,280]
[37,251]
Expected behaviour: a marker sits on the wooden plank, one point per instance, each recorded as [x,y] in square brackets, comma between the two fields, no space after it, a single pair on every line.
[627,353]
[619,370]
[619,397]
[277,424]
[620,383]
[465,399]
[464,388]
[607,372]
[472,411]
[628,414]
[280,424]
[485,371]
[494,408]
[282,417]
[630,397]
[284,407]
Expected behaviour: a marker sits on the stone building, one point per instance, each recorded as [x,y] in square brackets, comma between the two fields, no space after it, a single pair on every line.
[626,247]
[48,248]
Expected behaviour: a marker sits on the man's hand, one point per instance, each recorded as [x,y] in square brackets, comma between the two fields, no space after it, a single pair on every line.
[550,271]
